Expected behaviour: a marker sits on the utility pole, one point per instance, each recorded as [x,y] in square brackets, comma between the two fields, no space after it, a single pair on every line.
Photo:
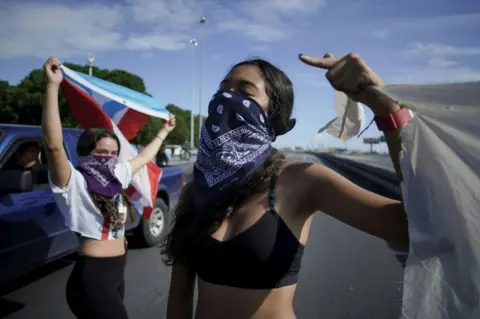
[203,20]
[194,44]
[91,60]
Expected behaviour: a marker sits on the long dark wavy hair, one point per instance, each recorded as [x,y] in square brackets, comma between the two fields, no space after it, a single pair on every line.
[108,207]
[190,226]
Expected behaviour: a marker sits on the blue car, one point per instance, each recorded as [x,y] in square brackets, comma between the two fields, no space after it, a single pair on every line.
[32,229]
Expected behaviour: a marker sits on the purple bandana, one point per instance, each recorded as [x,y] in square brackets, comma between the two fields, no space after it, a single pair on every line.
[99,172]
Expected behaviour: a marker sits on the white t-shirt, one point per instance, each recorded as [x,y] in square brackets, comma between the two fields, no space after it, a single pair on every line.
[81,214]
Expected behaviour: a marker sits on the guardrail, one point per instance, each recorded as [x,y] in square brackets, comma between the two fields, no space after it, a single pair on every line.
[387,179]
[383,177]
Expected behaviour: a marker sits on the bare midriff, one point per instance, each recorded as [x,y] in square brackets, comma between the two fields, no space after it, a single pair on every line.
[103,248]
[218,302]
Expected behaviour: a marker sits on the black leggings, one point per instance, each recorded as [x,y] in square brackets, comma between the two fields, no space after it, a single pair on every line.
[96,288]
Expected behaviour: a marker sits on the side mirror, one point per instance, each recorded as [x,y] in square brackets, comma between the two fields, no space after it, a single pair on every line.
[16,181]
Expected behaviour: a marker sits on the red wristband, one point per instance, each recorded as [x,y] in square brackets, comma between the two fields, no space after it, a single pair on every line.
[393,120]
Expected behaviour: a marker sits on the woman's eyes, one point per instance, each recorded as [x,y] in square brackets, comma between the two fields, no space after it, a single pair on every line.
[244,90]
[248,92]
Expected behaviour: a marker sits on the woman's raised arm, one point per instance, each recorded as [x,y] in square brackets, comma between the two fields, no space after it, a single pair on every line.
[333,194]
[149,152]
[58,164]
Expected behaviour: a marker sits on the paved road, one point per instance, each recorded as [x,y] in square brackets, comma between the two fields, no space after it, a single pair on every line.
[345,274]
[178,162]
[373,160]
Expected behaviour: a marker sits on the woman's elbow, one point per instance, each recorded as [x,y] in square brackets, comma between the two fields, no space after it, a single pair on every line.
[397,225]
[52,146]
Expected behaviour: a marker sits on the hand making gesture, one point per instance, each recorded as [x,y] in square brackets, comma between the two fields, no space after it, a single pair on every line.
[349,74]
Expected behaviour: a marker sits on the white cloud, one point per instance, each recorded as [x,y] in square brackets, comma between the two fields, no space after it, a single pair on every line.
[169,14]
[267,20]
[444,22]
[436,74]
[158,42]
[66,30]
[410,26]
[380,34]
[440,49]
[441,63]
[40,30]
[285,7]
[259,31]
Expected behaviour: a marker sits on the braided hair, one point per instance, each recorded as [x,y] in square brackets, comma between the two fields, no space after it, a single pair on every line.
[107,206]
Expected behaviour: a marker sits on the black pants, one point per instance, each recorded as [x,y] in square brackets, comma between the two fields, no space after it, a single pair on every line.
[96,288]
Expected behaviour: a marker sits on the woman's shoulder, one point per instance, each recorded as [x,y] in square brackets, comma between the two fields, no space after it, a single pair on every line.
[300,169]
[296,185]
[301,176]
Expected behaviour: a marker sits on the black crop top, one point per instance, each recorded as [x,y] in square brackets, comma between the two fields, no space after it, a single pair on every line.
[267,255]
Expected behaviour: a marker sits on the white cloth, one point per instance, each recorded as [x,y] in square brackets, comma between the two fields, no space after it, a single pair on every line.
[81,214]
[349,121]
[440,163]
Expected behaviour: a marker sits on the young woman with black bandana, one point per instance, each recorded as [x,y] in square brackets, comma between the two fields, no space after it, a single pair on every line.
[242,222]
[92,198]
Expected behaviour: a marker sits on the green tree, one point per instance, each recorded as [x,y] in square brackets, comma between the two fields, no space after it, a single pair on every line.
[187,115]
[181,134]
[22,104]
[148,132]
[196,136]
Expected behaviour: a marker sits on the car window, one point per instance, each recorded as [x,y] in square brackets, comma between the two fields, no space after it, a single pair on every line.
[27,154]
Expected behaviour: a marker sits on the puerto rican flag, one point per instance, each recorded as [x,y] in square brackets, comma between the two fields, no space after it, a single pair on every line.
[102,104]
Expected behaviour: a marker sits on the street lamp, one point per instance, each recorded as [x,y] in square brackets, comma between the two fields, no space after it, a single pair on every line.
[194,44]
[91,60]
[203,20]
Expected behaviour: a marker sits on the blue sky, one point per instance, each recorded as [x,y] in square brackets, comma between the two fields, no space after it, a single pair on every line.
[404,41]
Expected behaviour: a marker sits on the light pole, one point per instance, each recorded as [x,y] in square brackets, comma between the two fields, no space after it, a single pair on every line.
[203,20]
[91,60]
[194,44]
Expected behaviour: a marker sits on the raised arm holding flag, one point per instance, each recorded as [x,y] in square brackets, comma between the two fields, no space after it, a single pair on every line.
[95,197]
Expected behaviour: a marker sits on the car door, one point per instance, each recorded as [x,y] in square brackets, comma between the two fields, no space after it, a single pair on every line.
[32,229]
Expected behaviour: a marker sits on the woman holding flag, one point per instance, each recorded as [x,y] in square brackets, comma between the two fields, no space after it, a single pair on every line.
[91,196]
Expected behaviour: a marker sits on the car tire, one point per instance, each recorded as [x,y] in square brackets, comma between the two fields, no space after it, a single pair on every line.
[153,230]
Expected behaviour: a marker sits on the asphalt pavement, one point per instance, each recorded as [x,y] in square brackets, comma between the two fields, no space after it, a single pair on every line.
[345,274]
[373,160]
